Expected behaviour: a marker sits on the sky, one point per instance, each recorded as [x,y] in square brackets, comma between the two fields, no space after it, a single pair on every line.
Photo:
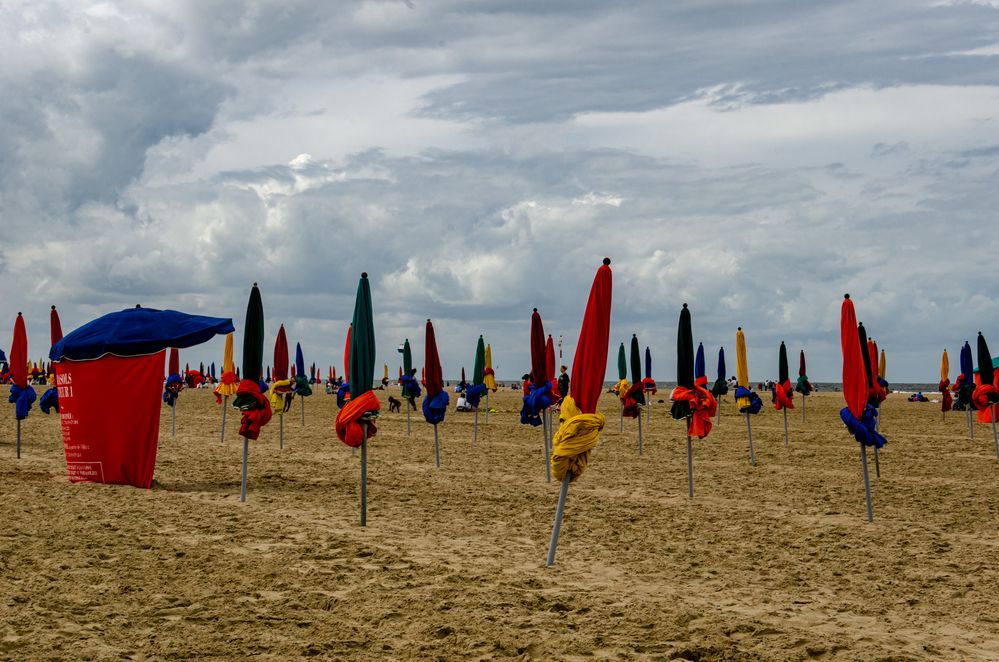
[478,159]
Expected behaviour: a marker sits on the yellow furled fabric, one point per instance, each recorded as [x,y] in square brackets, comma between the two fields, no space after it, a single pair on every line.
[276,394]
[489,379]
[882,364]
[621,388]
[944,367]
[577,435]
[741,367]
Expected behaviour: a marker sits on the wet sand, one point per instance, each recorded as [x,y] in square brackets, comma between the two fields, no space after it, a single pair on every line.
[775,562]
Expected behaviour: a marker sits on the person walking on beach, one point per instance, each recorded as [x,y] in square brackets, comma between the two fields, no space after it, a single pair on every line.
[563,382]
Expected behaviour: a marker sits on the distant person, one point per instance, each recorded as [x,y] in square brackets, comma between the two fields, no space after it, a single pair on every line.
[563,382]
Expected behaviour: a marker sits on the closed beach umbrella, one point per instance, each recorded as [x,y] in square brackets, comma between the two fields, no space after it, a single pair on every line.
[254,406]
[50,398]
[22,395]
[355,422]
[436,401]
[783,393]
[580,427]
[986,394]
[691,401]
[946,400]
[746,401]
[474,393]
[539,396]
[858,416]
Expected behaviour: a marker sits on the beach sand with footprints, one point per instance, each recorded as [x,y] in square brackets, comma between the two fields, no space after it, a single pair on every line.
[775,562]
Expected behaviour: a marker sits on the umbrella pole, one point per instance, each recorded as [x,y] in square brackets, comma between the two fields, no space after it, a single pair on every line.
[437,447]
[281,433]
[718,415]
[409,430]
[877,463]
[548,466]
[971,425]
[475,428]
[302,398]
[364,476]
[803,401]
[173,419]
[690,463]
[19,439]
[621,426]
[648,409]
[559,510]
[246,452]
[225,405]
[749,431]
[787,441]
[995,435]
[867,483]
[639,434]
[487,405]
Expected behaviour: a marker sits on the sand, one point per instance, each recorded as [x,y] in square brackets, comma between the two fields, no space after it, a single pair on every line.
[775,562]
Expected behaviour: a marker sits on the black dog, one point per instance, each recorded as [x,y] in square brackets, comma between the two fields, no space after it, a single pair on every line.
[394,404]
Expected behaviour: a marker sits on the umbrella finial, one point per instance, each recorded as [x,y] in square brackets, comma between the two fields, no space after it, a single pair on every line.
[138,306]
[428,319]
[53,307]
[607,261]
[739,329]
[364,274]
[846,296]
[684,305]
[535,310]
[254,283]
[19,313]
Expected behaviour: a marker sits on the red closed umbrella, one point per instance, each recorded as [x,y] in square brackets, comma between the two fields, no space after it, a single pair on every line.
[436,400]
[21,393]
[581,424]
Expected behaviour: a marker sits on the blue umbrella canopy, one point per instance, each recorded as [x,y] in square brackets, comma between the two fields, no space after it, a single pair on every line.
[299,360]
[699,367]
[138,332]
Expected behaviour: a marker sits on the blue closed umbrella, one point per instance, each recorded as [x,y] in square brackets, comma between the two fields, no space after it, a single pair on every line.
[720,386]
[648,363]
[700,373]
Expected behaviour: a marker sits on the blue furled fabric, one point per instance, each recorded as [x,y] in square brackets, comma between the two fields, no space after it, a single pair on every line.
[755,404]
[435,408]
[341,394]
[173,386]
[49,400]
[410,387]
[474,393]
[539,399]
[22,399]
[864,429]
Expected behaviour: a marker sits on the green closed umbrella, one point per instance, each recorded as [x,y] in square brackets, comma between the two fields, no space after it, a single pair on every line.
[254,405]
[685,379]
[362,374]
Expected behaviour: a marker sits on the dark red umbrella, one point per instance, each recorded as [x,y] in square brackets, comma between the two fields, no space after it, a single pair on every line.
[55,326]
[282,392]
[539,366]
[581,424]
[436,401]
[539,397]
[21,394]
[858,415]
[50,398]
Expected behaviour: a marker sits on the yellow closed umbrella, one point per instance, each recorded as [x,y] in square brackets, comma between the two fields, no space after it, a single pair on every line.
[944,367]
[385,376]
[741,366]
[946,399]
[882,365]
[228,384]
[746,402]
[488,377]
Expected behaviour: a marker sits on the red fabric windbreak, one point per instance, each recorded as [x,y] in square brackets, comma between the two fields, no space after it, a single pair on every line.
[19,354]
[801,364]
[590,361]
[432,375]
[173,368]
[55,326]
[346,355]
[985,413]
[854,379]
[280,370]
[539,370]
[550,358]
[110,439]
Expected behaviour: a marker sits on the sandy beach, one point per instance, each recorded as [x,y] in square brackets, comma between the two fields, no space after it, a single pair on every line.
[775,562]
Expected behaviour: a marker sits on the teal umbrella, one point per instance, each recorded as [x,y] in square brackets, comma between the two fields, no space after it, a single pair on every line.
[250,400]
[355,422]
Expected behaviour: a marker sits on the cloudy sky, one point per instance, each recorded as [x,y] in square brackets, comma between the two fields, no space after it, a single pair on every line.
[479,158]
